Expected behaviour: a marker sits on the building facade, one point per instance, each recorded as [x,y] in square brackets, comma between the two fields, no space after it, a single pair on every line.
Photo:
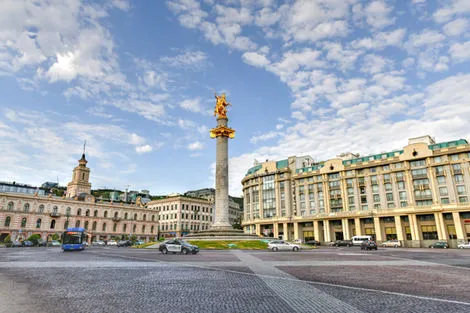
[235,212]
[23,214]
[180,215]
[418,195]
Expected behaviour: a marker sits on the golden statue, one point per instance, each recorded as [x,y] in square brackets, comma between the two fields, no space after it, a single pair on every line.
[138,202]
[221,106]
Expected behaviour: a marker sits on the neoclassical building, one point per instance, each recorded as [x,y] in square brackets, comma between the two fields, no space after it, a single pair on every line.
[23,214]
[180,215]
[418,194]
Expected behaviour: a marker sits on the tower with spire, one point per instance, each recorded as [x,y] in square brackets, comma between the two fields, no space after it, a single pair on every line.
[80,179]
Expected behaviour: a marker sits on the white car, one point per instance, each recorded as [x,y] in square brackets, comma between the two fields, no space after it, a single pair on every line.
[112,243]
[464,246]
[281,245]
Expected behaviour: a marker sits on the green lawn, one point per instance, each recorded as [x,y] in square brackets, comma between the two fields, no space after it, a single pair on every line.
[229,244]
[146,245]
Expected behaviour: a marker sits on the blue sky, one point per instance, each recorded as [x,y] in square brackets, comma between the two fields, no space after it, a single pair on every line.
[137,81]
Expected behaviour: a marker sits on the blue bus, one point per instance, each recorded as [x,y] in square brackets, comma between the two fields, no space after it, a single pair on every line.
[73,239]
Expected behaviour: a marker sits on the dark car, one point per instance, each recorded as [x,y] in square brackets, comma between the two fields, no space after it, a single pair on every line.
[42,243]
[313,242]
[124,243]
[27,243]
[439,244]
[177,246]
[369,245]
[343,243]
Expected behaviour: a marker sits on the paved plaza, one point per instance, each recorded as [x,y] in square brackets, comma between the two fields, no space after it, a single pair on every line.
[321,280]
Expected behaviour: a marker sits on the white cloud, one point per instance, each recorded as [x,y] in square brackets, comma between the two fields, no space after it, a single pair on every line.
[381,40]
[374,64]
[425,38]
[193,105]
[188,59]
[450,9]
[456,27]
[377,14]
[255,59]
[143,149]
[264,137]
[197,145]
[460,52]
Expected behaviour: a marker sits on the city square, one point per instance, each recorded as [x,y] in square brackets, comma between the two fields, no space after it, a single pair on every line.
[319,280]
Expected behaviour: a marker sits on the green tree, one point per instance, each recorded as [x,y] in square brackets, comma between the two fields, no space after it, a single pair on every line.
[133,238]
[34,239]
[55,237]
[7,239]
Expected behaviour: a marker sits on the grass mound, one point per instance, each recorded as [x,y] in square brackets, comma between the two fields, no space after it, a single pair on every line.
[229,244]
[146,245]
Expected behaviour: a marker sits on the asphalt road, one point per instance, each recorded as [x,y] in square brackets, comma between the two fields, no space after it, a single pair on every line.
[321,280]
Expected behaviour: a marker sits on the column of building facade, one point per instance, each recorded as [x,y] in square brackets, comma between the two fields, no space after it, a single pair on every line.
[409,184]
[277,196]
[296,230]
[440,226]
[285,231]
[458,226]
[357,226]
[413,227]
[399,228]
[326,193]
[276,229]
[344,192]
[378,229]
[316,230]
[326,231]
[346,230]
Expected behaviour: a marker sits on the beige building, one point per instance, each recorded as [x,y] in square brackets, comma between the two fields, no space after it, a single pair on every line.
[180,215]
[418,195]
[22,215]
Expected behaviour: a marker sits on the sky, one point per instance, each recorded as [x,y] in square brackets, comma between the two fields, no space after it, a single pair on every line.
[136,80]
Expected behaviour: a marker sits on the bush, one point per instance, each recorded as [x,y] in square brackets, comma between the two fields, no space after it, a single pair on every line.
[34,239]
[55,237]
[133,239]
[7,239]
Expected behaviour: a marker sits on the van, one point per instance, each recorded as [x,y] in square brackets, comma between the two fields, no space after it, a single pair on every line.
[357,240]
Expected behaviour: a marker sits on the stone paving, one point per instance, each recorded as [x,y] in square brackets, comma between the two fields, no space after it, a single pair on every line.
[323,280]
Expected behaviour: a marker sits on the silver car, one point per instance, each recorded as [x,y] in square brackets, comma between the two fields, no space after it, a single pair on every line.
[281,245]
[464,246]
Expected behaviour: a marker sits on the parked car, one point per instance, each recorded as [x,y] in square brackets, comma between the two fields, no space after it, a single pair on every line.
[42,243]
[28,243]
[55,243]
[98,243]
[439,244]
[85,244]
[124,243]
[464,246]
[313,243]
[343,243]
[16,244]
[297,241]
[139,242]
[277,245]
[369,245]
[112,243]
[391,243]
[178,245]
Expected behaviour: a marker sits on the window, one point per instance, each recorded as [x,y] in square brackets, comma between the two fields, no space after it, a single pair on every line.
[77,224]
[401,185]
[398,165]
[135,227]
[68,211]
[429,232]
[41,208]
[386,167]
[135,216]
[445,200]
[144,217]
[87,213]
[38,223]
[463,199]
[79,212]
[454,157]
[52,224]
[402,195]
[105,214]
[389,196]
[10,206]
[437,159]
[143,229]
[26,208]
[417,163]
[114,227]
[124,228]
[443,191]
[441,180]
[458,178]
[93,227]
[7,221]
[377,206]
[153,228]
[86,225]
[103,228]
[375,188]
[376,198]
[115,214]
[23,222]
[125,216]
[95,213]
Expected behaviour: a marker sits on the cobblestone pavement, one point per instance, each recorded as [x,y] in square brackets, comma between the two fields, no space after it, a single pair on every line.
[322,280]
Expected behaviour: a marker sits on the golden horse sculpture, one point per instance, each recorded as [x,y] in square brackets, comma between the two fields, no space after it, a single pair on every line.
[221,106]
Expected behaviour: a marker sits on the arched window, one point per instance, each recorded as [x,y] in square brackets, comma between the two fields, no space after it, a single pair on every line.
[7,221]
[41,208]
[135,216]
[77,224]
[144,217]
[10,206]
[152,229]
[124,228]
[38,223]
[79,212]
[87,213]
[153,218]
[26,207]
[115,214]
[66,224]
[105,213]
[95,213]
[114,227]
[86,225]
[104,227]
[134,228]
[68,211]
[126,216]
[52,224]
[23,222]
[55,209]
[94,226]
[143,229]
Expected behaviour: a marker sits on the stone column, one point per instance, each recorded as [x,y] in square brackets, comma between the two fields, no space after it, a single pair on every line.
[378,229]
[258,229]
[276,230]
[458,225]
[441,231]
[285,230]
[316,230]
[326,230]
[414,227]
[221,180]
[357,226]
[399,228]
[346,231]
[296,230]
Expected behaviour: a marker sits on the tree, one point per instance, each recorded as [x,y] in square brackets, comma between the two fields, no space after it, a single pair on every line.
[55,237]
[7,239]
[34,239]
[133,238]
